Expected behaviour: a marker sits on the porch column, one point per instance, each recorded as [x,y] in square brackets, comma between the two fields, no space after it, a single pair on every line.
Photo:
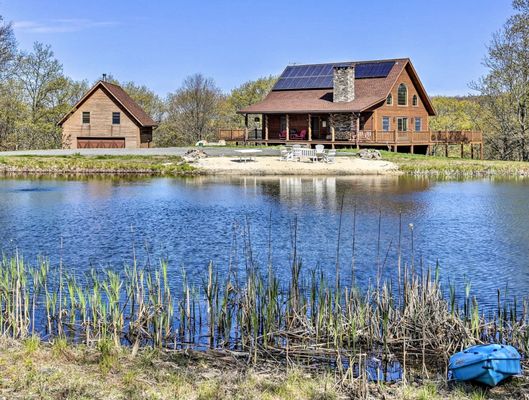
[245,127]
[357,130]
[309,128]
[265,120]
[288,128]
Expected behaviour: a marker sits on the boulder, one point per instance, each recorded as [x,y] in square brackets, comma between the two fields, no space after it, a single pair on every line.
[369,154]
[193,155]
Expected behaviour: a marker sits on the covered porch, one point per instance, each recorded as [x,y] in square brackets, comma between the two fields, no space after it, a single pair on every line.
[308,127]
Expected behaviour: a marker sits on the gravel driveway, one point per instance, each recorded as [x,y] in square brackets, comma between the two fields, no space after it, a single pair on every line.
[165,151]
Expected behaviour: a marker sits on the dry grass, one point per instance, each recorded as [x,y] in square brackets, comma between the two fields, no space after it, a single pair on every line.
[33,370]
[76,372]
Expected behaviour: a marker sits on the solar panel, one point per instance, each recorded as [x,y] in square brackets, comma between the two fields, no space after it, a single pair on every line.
[319,76]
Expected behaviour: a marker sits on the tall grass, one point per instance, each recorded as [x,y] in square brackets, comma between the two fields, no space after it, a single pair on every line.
[304,320]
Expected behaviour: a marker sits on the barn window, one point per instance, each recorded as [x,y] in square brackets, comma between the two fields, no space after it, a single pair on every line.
[116,118]
[385,124]
[389,100]
[86,117]
[414,100]
[402,95]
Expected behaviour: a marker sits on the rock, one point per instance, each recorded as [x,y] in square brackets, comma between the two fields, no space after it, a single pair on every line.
[194,155]
[368,154]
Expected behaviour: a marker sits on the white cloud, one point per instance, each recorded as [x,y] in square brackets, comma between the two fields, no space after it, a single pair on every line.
[60,25]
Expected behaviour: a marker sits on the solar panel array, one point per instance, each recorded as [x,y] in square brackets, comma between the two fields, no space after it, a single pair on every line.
[320,76]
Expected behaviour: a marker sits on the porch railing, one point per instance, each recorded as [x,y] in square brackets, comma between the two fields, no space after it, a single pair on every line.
[371,137]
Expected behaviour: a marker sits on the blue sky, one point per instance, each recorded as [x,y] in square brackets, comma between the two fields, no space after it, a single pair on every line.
[160,42]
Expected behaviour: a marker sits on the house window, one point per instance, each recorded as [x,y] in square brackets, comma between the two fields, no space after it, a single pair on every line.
[389,100]
[402,93]
[116,118]
[402,124]
[86,117]
[385,124]
[414,100]
[418,124]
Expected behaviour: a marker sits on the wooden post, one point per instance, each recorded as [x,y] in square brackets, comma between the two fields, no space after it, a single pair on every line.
[309,128]
[446,149]
[265,117]
[245,127]
[332,135]
[357,130]
[395,148]
[411,149]
[462,150]
[481,151]
[471,151]
[287,137]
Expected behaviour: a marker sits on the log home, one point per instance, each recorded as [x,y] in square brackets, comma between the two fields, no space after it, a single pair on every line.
[106,117]
[368,103]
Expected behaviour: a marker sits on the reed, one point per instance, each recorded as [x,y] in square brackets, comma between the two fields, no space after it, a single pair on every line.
[304,320]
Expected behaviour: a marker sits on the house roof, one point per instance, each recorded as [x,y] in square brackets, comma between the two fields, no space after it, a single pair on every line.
[369,92]
[118,95]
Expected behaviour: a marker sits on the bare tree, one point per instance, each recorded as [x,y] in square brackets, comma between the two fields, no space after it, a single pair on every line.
[505,90]
[7,46]
[192,111]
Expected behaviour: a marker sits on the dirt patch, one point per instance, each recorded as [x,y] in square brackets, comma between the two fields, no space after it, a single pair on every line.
[273,166]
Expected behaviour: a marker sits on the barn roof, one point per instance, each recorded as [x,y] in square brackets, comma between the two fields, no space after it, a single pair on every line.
[308,88]
[118,95]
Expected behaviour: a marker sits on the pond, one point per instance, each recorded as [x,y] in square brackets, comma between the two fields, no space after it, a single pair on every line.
[476,230]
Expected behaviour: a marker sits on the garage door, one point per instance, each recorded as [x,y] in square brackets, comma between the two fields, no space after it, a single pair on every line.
[100,143]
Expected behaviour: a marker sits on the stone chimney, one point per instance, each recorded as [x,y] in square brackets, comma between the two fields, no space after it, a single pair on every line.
[343,81]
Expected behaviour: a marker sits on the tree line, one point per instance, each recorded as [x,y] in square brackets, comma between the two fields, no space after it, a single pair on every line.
[35,93]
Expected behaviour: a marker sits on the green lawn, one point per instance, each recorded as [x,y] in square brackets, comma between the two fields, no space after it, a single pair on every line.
[158,165]
[436,165]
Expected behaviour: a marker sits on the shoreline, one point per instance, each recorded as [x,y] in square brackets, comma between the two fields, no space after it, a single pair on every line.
[225,162]
[58,369]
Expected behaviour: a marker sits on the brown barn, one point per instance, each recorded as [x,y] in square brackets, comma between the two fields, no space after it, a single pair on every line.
[106,117]
[379,103]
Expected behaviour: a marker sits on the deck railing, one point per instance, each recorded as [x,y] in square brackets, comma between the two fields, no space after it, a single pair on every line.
[372,137]
[231,134]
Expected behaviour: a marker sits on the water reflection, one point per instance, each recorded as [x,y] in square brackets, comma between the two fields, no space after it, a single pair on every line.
[477,229]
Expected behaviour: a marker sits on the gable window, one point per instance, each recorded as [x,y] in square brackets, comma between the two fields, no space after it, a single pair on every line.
[385,124]
[418,124]
[389,100]
[86,117]
[402,124]
[116,118]
[414,101]
[402,95]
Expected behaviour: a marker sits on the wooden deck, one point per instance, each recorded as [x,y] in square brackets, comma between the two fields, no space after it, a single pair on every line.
[424,142]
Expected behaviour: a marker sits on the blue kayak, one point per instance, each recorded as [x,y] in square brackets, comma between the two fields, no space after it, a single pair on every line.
[488,364]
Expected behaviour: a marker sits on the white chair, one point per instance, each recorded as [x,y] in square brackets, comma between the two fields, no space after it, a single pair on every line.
[330,156]
[286,155]
[320,152]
